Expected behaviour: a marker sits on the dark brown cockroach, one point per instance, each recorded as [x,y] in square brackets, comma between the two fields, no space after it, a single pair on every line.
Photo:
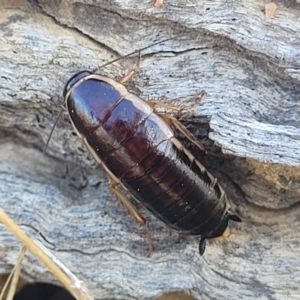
[137,148]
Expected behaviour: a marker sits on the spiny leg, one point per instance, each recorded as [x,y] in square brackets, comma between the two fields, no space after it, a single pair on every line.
[114,182]
[133,211]
[132,72]
[174,123]
[160,103]
[201,96]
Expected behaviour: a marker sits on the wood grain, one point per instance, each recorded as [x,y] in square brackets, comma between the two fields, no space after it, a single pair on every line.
[247,62]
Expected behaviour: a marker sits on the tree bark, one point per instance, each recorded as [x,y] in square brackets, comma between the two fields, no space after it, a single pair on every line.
[247,62]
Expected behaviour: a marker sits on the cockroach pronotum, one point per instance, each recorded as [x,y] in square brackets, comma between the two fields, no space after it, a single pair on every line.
[137,148]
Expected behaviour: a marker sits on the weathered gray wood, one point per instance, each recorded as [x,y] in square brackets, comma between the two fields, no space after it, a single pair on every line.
[249,66]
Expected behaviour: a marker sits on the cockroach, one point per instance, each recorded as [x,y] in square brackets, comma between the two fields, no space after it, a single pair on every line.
[137,148]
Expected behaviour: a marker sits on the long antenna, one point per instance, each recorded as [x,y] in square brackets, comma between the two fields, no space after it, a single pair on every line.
[136,51]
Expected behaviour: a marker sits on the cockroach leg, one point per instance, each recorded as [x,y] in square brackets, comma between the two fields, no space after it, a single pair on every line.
[126,202]
[132,72]
[178,109]
[201,96]
[160,103]
[174,123]
[114,182]
[133,211]
[149,240]
[190,156]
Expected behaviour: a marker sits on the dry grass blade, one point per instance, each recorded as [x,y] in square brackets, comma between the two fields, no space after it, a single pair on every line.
[69,280]
[13,278]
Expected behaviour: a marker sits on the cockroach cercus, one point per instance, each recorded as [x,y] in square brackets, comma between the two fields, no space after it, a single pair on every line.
[137,148]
